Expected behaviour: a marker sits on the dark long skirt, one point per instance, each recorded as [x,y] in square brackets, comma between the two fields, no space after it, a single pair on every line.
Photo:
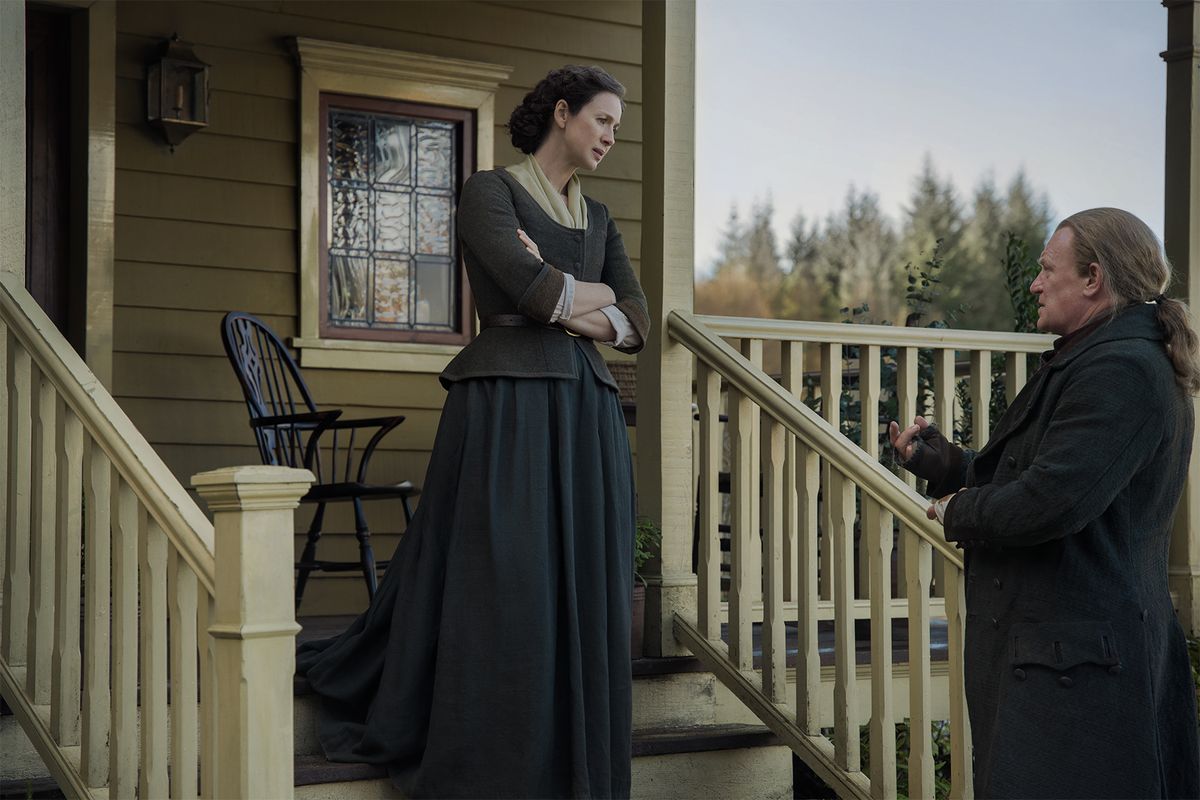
[494,661]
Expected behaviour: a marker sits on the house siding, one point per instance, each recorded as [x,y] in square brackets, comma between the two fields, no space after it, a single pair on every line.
[212,227]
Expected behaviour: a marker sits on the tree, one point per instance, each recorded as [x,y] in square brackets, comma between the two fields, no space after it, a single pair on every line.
[1027,213]
[933,213]
[858,255]
[976,280]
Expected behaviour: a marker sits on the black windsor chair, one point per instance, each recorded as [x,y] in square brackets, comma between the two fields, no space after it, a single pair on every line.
[273,388]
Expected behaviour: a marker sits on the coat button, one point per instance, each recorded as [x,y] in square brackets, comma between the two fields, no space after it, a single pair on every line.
[999,584]
[1012,461]
[1115,669]
[1065,682]
[1019,674]
[1143,615]
[995,622]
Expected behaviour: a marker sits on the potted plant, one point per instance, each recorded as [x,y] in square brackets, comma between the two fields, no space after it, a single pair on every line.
[646,540]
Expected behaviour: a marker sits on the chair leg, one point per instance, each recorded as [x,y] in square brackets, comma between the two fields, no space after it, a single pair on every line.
[366,555]
[310,552]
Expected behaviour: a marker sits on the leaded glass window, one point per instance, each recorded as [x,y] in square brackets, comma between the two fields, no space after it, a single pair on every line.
[391,258]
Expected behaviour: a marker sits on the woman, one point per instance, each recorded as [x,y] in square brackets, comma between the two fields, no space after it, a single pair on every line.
[1077,674]
[494,660]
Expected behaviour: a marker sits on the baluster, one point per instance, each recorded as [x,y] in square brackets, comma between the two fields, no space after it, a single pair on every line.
[96,614]
[5,531]
[868,395]
[845,686]
[708,397]
[65,687]
[943,391]
[943,409]
[752,349]
[831,410]
[981,397]
[960,724]
[123,740]
[183,599]
[792,356]
[43,531]
[907,361]
[152,551]
[774,645]
[1015,365]
[808,657]
[15,633]
[209,699]
[743,498]
[877,535]
[917,570]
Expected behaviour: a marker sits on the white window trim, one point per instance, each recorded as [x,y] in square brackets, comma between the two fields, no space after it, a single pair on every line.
[341,68]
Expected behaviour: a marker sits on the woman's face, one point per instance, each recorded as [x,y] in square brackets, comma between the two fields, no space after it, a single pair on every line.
[591,133]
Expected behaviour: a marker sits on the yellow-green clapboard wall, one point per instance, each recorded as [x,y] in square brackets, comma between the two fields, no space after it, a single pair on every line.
[212,227]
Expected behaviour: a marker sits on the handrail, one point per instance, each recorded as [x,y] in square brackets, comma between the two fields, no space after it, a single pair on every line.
[882,335]
[185,525]
[814,431]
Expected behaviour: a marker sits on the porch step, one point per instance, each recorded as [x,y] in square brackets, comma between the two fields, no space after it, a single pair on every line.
[691,738]
[730,761]
[30,789]
[20,764]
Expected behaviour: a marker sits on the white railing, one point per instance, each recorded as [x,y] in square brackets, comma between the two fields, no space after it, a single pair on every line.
[805,489]
[132,662]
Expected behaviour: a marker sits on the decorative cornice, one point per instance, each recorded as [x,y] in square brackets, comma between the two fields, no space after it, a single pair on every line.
[252,488]
[269,630]
[360,60]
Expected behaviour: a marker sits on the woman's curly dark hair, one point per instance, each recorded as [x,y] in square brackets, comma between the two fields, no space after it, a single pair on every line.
[530,121]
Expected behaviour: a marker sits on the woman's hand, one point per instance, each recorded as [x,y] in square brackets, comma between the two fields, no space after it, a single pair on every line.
[530,245]
[905,440]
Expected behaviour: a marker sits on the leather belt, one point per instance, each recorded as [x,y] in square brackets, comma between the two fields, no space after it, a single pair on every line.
[519,321]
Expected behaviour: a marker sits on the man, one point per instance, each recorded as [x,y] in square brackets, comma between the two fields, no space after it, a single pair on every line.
[1078,682]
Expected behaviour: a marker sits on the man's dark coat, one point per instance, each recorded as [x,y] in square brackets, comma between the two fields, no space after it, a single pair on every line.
[1078,681]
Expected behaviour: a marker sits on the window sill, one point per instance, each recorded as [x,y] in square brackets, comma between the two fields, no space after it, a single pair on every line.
[374,356]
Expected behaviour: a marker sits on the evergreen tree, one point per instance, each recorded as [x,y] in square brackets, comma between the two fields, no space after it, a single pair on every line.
[976,280]
[762,253]
[857,256]
[1027,213]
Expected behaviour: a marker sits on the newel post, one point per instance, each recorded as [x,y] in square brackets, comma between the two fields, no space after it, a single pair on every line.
[253,626]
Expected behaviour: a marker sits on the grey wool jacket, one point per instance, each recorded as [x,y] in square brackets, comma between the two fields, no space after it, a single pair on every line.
[1077,674]
[507,279]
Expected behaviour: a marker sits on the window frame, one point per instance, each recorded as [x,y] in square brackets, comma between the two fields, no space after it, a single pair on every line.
[338,68]
[463,299]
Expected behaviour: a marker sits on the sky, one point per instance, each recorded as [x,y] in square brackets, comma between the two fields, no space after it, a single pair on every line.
[798,99]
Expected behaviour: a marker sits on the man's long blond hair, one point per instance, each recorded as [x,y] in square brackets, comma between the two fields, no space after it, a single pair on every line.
[1137,271]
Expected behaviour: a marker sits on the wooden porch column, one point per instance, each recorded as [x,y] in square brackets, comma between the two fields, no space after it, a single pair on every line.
[664,443]
[12,137]
[1181,234]
[254,625]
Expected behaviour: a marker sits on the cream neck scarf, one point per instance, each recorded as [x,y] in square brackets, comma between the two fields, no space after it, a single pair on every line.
[569,211]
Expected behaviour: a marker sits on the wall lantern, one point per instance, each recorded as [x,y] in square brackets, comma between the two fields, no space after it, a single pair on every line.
[177,91]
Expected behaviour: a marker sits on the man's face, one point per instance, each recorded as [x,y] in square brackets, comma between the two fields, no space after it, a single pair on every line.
[1066,299]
